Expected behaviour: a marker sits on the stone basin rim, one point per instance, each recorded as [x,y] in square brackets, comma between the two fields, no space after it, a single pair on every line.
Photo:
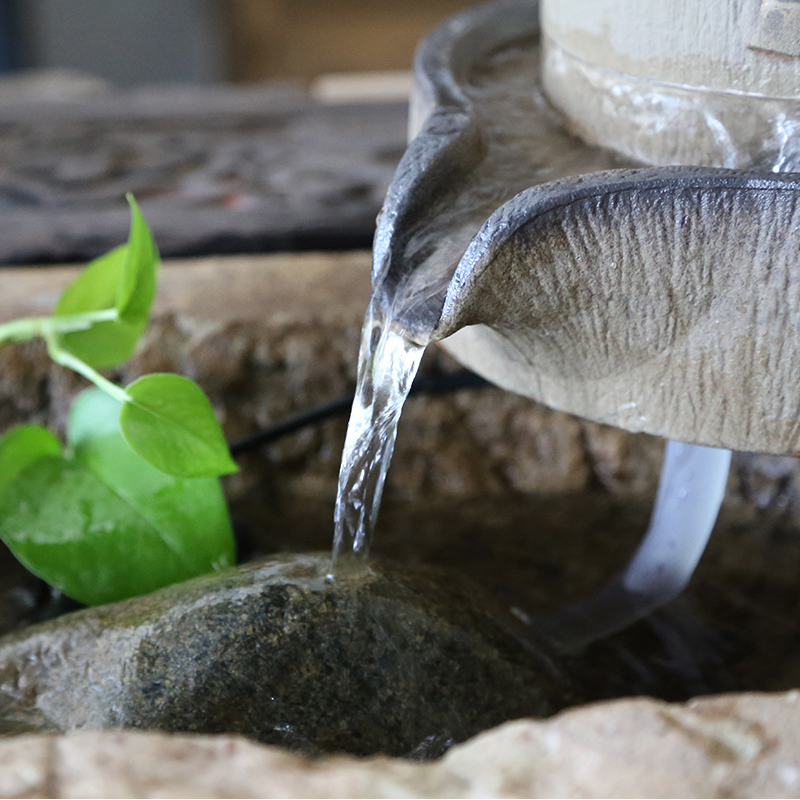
[528,206]
[441,112]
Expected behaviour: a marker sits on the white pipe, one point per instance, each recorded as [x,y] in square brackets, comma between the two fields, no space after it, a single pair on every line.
[690,493]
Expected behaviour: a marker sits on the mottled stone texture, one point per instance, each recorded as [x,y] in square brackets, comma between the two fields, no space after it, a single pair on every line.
[743,746]
[395,661]
[268,336]
[657,300]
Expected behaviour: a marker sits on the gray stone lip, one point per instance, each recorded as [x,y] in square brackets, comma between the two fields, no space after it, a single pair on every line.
[663,300]
[532,205]
[445,137]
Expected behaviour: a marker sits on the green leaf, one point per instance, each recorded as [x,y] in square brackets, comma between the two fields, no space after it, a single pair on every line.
[104,344]
[96,286]
[93,416]
[125,279]
[23,446]
[169,422]
[103,524]
[137,287]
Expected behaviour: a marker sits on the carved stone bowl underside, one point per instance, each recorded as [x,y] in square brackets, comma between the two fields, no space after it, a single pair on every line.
[664,300]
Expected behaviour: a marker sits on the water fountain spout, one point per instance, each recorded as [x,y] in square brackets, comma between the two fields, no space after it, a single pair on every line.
[663,299]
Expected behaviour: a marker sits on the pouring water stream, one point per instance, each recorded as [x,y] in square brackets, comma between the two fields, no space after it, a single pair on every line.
[388,362]
[693,477]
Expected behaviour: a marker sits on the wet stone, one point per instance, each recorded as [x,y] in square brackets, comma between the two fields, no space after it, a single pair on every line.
[402,662]
[735,628]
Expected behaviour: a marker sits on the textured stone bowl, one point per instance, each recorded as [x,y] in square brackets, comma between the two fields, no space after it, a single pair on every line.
[664,300]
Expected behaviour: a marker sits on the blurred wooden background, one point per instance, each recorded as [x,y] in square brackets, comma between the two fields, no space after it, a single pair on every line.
[109,96]
[131,42]
[305,38]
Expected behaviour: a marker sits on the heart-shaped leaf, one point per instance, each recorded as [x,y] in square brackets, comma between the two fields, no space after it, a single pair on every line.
[103,524]
[103,344]
[96,286]
[138,284]
[169,422]
[21,447]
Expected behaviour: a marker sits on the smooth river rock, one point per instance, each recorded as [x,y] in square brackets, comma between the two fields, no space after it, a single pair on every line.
[388,660]
[731,746]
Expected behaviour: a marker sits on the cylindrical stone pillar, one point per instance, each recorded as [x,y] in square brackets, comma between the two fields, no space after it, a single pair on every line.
[706,82]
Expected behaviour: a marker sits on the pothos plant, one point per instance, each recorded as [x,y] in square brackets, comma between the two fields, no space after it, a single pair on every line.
[132,501]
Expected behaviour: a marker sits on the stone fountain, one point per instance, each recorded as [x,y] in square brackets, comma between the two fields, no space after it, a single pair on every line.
[601,215]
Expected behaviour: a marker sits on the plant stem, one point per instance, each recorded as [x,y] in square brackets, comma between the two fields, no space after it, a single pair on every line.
[69,323]
[66,359]
[21,330]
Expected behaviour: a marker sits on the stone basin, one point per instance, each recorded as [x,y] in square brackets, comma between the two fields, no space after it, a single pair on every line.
[658,299]
[508,509]
[530,506]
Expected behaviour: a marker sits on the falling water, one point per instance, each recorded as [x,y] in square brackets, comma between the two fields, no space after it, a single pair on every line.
[390,353]
[388,362]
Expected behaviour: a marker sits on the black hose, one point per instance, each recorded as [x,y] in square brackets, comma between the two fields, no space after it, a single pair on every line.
[439,384]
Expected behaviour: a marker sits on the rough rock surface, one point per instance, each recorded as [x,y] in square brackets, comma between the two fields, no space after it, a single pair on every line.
[537,507]
[382,660]
[269,336]
[734,746]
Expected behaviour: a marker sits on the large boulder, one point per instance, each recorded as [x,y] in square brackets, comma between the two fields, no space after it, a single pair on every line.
[385,660]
